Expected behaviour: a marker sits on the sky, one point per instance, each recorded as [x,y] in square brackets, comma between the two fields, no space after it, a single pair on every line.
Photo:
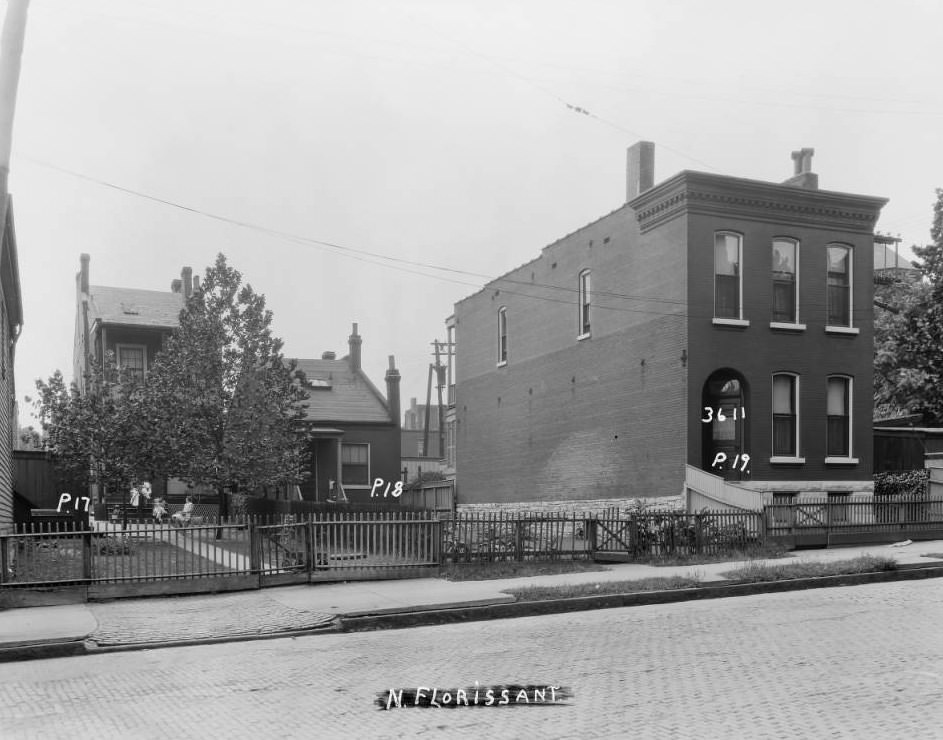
[342,152]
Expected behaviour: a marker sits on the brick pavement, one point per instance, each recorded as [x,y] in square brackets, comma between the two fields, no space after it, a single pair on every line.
[198,617]
[855,662]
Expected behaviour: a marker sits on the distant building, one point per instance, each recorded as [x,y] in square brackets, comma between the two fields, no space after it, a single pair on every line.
[11,322]
[889,266]
[713,335]
[416,443]
[356,431]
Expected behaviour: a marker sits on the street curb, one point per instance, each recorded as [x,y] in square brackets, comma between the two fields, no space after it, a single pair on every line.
[42,650]
[93,648]
[362,622]
[722,589]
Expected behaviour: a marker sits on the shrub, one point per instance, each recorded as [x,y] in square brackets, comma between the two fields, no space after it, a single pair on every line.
[114,545]
[912,483]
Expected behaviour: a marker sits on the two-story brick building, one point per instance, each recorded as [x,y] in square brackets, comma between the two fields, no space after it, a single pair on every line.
[714,332]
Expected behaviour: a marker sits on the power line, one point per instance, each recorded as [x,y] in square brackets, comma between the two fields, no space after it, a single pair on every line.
[400,263]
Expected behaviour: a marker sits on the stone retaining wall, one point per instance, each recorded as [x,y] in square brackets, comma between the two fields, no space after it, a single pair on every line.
[596,506]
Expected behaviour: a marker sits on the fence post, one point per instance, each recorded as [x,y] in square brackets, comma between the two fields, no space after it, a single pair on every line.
[698,533]
[518,540]
[87,555]
[255,546]
[4,562]
[591,536]
[309,549]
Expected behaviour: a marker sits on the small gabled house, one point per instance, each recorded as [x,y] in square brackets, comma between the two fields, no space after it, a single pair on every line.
[355,431]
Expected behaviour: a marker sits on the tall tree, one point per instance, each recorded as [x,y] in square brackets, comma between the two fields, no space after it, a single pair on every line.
[92,435]
[909,335]
[223,399]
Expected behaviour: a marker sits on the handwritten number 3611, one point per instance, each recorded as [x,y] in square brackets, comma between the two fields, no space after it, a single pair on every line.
[709,413]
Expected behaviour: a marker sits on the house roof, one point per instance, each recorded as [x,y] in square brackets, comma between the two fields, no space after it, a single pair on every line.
[338,393]
[133,307]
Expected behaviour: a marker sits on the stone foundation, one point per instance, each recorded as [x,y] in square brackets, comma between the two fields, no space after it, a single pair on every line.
[594,506]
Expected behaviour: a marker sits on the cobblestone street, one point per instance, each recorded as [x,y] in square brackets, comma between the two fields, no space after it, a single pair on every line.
[861,662]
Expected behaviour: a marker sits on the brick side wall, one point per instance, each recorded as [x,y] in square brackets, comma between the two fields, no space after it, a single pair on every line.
[568,419]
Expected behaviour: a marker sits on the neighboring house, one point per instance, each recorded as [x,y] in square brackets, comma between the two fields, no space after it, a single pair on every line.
[11,321]
[355,430]
[889,266]
[901,444]
[132,324]
[129,322]
[713,335]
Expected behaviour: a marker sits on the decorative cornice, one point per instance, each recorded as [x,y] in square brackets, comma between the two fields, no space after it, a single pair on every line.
[703,194]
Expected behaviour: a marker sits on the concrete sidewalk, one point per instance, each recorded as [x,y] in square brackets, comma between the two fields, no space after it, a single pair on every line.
[53,631]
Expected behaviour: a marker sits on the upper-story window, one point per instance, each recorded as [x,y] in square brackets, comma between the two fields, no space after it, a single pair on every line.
[839,285]
[838,408]
[785,415]
[502,335]
[132,359]
[785,281]
[728,276]
[584,292]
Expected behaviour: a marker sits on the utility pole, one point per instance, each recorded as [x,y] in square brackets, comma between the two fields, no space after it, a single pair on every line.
[425,433]
[11,53]
[439,372]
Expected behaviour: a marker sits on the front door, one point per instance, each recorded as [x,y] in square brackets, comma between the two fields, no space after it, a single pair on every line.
[723,417]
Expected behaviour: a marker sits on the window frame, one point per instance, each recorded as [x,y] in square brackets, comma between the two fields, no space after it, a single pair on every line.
[502,336]
[795,324]
[584,314]
[119,346]
[837,328]
[737,320]
[848,458]
[794,458]
[355,486]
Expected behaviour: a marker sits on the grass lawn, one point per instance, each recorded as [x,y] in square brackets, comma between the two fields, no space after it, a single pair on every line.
[512,569]
[546,593]
[756,572]
[147,559]
[770,552]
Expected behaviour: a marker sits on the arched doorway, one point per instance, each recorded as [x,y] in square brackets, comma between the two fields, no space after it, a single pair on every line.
[724,419]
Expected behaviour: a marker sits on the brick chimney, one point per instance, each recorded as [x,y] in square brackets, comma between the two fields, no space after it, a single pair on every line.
[803,176]
[355,341]
[186,277]
[84,259]
[392,390]
[196,283]
[640,169]
[328,355]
